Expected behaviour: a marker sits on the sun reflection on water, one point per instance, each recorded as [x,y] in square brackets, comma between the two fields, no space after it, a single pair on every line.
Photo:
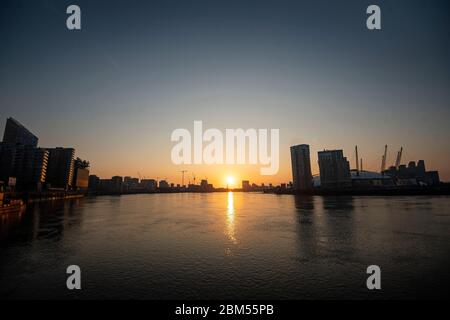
[230,228]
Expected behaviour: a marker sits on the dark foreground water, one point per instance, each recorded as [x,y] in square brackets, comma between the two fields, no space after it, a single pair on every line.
[228,245]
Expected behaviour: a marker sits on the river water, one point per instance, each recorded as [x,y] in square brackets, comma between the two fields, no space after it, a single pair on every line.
[228,246]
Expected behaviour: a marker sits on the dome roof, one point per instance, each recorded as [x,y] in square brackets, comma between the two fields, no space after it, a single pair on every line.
[363,175]
[367,175]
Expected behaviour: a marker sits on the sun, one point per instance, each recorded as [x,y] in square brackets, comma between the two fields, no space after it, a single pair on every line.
[230,180]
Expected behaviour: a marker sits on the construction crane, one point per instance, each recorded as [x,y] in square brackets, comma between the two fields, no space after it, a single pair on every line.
[182,177]
[399,158]
[383,159]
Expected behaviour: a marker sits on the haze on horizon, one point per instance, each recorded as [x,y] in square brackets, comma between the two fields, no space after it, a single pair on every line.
[137,70]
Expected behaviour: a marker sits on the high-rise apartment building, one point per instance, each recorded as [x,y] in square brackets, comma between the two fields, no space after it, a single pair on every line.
[16,133]
[60,168]
[301,167]
[334,169]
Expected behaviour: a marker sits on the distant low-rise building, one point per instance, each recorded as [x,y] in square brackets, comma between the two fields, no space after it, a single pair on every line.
[413,175]
[81,179]
[431,178]
[369,179]
[130,183]
[163,184]
[80,175]
[149,184]
[105,186]
[94,182]
[117,184]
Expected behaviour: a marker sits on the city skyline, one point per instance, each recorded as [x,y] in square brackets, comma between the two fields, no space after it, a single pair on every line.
[57,167]
[310,69]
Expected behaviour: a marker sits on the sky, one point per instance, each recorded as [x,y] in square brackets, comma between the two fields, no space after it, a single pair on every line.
[138,70]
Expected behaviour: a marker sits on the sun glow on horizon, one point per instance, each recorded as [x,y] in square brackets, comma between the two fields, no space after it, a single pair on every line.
[230,181]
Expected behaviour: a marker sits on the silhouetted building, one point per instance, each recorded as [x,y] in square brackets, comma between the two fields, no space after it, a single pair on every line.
[94,182]
[25,163]
[130,183]
[431,178]
[413,175]
[205,186]
[246,185]
[301,167]
[163,184]
[105,185]
[149,184]
[20,159]
[116,184]
[7,156]
[193,187]
[81,178]
[30,167]
[370,180]
[421,168]
[80,174]
[16,133]
[334,169]
[60,168]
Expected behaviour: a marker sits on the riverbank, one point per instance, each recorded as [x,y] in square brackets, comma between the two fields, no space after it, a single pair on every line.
[15,206]
[394,191]
[33,197]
